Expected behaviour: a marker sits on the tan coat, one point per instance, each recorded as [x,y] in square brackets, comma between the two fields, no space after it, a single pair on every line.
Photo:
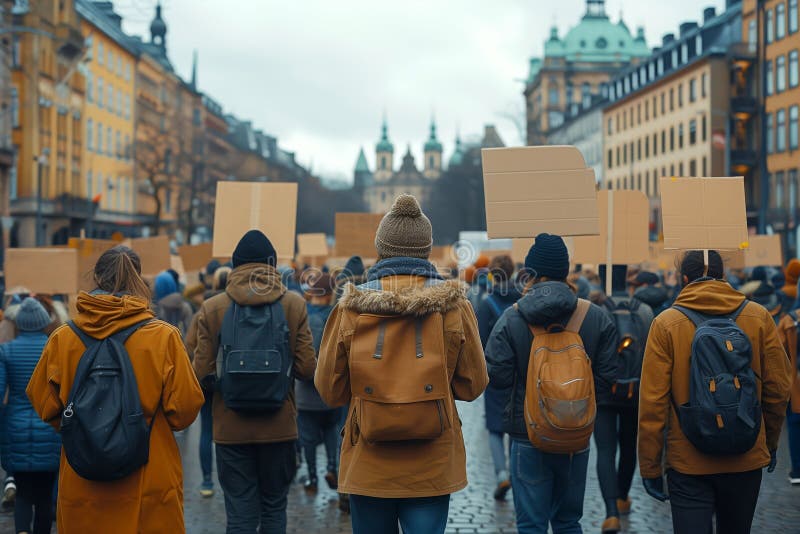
[665,376]
[404,469]
[253,284]
[149,501]
[787,332]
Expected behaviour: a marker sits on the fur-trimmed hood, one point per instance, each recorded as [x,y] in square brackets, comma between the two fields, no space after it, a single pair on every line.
[404,299]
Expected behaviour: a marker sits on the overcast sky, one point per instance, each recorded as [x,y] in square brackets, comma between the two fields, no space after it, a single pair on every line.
[319,74]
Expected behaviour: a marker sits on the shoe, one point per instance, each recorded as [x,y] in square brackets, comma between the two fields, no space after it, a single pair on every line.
[344,502]
[207,489]
[501,490]
[9,495]
[611,526]
[794,478]
[332,479]
[624,507]
[310,485]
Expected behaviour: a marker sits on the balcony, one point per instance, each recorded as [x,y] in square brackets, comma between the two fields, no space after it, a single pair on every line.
[743,159]
[744,54]
[743,107]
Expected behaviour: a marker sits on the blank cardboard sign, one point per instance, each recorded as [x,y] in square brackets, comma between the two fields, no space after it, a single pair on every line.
[704,213]
[89,251]
[355,234]
[196,257]
[244,206]
[312,245]
[628,232]
[530,190]
[762,251]
[154,253]
[51,271]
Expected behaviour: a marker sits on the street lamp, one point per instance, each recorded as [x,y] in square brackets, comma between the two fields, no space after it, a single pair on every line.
[41,161]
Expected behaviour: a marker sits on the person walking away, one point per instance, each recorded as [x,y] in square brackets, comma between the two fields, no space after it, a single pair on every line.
[317,423]
[502,296]
[723,430]
[788,334]
[617,417]
[262,331]
[170,305]
[405,343]
[553,346]
[33,448]
[788,292]
[153,366]
[646,287]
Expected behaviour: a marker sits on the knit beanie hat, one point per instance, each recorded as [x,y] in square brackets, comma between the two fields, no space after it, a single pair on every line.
[31,316]
[254,247]
[548,257]
[353,267]
[164,285]
[765,295]
[405,231]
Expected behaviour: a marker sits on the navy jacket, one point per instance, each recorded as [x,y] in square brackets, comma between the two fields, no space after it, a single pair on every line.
[509,347]
[29,443]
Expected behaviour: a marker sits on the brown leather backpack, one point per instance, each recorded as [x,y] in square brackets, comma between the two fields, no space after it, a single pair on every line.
[560,406]
[398,377]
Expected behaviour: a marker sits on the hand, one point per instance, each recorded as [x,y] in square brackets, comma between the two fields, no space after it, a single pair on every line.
[655,488]
[773,461]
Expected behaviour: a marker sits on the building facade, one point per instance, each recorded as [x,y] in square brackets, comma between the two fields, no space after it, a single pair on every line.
[778,45]
[684,111]
[577,67]
[7,152]
[47,101]
[380,186]
[584,132]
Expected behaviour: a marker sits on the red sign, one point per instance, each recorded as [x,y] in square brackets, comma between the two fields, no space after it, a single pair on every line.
[718,140]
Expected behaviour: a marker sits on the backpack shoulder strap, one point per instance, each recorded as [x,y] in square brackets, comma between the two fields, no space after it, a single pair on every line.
[696,318]
[85,338]
[735,315]
[578,316]
[123,335]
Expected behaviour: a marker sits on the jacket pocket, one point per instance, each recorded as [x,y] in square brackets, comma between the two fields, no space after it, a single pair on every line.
[380,422]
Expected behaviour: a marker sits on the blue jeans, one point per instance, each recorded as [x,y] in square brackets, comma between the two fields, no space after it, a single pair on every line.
[206,436]
[498,450]
[424,515]
[548,488]
[793,431]
[315,428]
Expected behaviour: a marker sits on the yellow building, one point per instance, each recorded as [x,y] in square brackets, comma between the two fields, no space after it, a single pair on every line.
[46,107]
[678,114]
[778,49]
[109,117]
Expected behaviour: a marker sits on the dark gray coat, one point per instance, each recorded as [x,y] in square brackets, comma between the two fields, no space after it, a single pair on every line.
[509,346]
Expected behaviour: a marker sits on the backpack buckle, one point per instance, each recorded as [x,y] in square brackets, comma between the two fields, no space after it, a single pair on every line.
[68,412]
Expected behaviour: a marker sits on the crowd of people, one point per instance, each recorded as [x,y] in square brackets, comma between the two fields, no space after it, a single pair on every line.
[687,372]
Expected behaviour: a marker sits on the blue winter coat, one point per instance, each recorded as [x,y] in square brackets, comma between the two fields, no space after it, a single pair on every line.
[29,443]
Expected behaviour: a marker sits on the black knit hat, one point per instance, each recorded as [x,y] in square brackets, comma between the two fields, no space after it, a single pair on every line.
[353,267]
[548,257]
[254,247]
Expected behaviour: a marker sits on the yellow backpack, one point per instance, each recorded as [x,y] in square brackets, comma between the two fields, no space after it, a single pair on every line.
[560,406]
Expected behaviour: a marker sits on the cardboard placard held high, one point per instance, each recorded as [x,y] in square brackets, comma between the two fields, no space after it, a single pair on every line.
[196,257]
[244,206]
[154,253]
[51,271]
[312,245]
[530,190]
[355,234]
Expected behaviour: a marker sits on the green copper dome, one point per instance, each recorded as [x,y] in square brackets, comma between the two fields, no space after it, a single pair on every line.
[458,154]
[597,39]
[384,145]
[433,144]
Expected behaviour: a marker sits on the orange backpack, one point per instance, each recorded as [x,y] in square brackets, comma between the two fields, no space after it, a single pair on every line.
[560,406]
[398,377]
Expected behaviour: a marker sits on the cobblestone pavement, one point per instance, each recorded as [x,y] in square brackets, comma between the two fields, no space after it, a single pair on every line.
[473,510]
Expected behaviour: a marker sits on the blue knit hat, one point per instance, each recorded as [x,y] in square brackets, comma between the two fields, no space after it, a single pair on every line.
[31,316]
[548,257]
[164,285]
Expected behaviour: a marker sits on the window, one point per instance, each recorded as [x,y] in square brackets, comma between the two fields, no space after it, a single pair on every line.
[110,60]
[647,147]
[110,92]
[119,103]
[119,65]
[672,99]
[770,29]
[610,163]
[127,147]
[663,141]
[793,69]
[692,89]
[89,184]
[672,139]
[89,87]
[647,182]
[16,51]
[570,94]
[655,144]
[684,53]
[552,95]
[109,141]
[793,16]
[780,126]
[586,94]
[770,135]
[770,78]
[793,132]
[705,166]
[127,106]
[692,167]
[119,145]
[610,125]
[792,191]
[663,109]
[638,150]
[680,136]
[168,201]
[655,107]
[89,135]
[780,21]
[779,190]
[100,54]
[625,154]
[383,163]
[14,107]
[680,169]
[100,92]
[704,127]
[752,35]
[692,132]
[99,137]
[646,110]
[780,74]
[619,162]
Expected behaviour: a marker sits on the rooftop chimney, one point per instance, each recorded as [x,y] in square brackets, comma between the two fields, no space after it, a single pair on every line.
[709,13]
[667,39]
[686,28]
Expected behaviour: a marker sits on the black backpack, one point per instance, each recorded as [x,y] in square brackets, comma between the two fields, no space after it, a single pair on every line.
[254,369]
[631,340]
[103,430]
[723,415]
